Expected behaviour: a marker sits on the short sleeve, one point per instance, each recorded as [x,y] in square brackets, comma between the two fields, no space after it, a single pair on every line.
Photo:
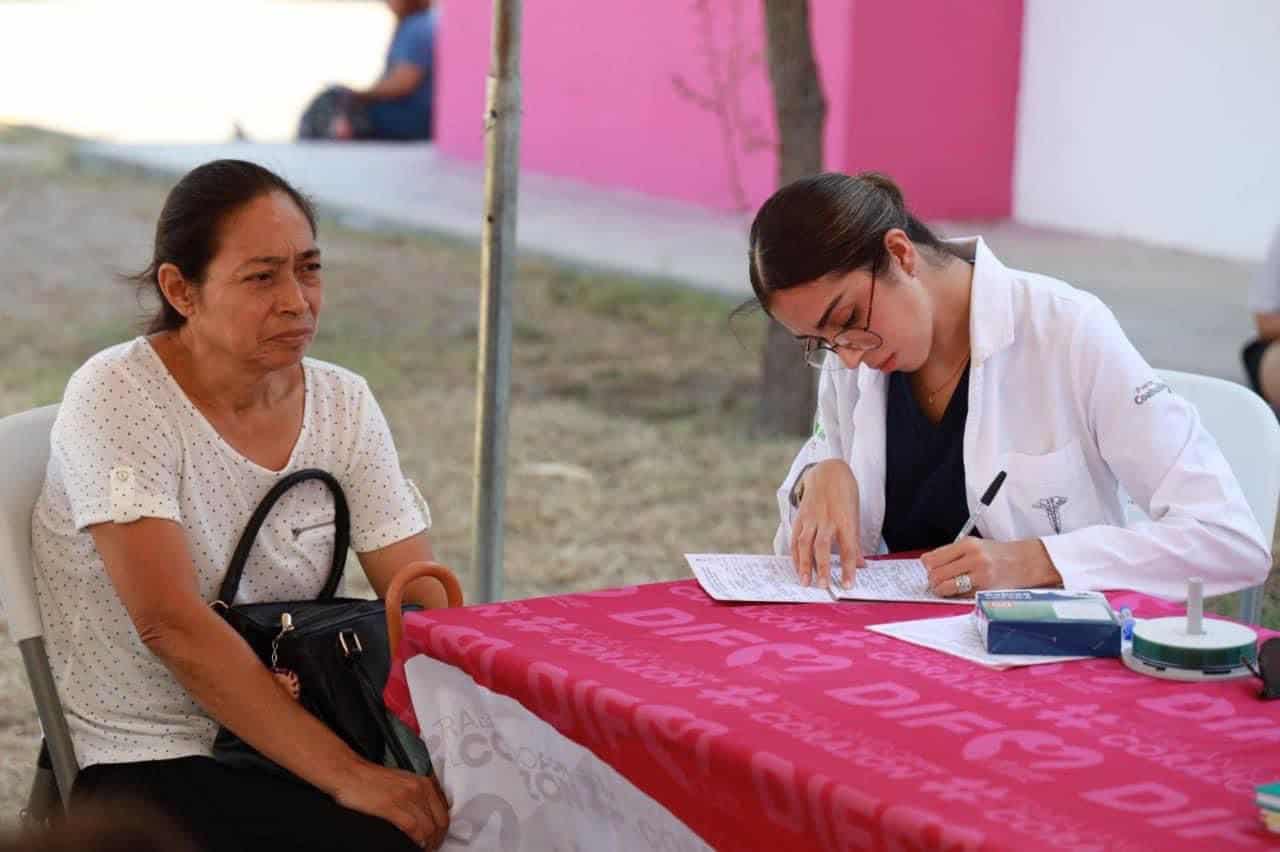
[116,454]
[384,505]
[1264,294]
[413,45]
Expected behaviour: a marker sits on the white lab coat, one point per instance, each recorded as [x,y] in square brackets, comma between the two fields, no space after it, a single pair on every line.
[1060,399]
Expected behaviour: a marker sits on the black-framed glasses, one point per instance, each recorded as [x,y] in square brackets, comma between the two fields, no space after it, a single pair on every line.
[1268,668]
[862,339]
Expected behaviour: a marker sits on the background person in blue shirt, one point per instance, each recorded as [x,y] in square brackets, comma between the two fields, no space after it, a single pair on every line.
[398,106]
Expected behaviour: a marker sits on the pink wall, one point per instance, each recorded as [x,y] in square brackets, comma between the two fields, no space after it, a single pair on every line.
[942,119]
[671,97]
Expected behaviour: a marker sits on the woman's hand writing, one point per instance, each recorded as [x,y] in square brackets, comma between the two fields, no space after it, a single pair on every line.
[1021,564]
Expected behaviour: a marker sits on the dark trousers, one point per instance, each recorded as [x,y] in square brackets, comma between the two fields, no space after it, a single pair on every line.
[1251,355]
[324,107]
[239,810]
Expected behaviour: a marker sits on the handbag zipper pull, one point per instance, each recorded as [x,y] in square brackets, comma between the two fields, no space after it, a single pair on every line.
[286,678]
[286,624]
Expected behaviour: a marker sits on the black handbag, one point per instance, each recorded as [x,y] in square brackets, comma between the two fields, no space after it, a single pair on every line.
[330,653]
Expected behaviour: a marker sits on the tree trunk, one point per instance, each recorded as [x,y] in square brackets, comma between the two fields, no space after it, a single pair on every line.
[789,389]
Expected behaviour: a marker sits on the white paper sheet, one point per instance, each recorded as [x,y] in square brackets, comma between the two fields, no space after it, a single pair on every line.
[745,577]
[772,579]
[894,580]
[958,635]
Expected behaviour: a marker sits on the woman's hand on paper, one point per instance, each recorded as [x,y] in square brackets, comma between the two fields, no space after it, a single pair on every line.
[1021,564]
[412,803]
[827,514]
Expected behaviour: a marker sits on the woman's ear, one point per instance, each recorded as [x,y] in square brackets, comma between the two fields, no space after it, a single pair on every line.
[900,247]
[175,289]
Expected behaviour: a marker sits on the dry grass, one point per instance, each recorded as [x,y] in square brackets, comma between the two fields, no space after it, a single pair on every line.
[630,400]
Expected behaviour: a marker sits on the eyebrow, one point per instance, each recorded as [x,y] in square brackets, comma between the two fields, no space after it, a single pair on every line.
[276,260]
[826,315]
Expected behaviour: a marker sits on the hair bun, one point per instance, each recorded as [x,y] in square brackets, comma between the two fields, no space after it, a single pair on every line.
[885,184]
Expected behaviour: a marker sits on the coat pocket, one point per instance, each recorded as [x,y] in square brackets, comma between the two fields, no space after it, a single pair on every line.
[1049,493]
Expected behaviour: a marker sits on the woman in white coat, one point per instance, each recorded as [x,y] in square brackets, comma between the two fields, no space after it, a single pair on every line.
[939,368]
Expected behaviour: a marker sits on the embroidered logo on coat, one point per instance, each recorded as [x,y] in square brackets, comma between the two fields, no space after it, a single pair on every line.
[1052,506]
[1146,390]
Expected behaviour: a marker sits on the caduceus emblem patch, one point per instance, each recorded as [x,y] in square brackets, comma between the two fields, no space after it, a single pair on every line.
[1052,506]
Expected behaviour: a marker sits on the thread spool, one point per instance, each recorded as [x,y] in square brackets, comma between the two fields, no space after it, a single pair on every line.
[1192,647]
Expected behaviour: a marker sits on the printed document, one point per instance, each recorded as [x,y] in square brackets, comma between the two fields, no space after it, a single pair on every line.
[958,635]
[773,579]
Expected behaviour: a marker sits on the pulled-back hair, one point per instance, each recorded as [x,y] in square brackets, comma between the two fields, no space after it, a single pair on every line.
[828,224]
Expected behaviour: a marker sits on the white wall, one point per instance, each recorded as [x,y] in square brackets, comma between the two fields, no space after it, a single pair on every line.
[1152,119]
[181,70]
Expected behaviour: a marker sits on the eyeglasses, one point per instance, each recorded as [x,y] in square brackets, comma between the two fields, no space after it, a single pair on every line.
[1268,667]
[862,339]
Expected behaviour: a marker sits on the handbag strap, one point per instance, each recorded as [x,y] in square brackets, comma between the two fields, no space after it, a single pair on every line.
[341,539]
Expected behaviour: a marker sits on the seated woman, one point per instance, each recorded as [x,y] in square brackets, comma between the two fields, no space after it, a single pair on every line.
[398,106]
[941,367]
[162,448]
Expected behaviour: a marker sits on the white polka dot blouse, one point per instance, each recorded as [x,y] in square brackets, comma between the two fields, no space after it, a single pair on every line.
[128,444]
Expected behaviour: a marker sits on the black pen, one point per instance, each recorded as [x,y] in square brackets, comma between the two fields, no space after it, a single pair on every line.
[982,505]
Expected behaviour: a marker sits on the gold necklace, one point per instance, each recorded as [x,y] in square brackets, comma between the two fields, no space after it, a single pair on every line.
[930,394]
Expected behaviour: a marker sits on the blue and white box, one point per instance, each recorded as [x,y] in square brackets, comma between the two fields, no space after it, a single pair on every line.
[1050,622]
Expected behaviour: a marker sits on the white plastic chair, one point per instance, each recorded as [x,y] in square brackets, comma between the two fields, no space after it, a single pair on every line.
[1246,430]
[24,455]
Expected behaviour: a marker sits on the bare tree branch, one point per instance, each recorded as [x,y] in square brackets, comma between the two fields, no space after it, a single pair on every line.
[727,69]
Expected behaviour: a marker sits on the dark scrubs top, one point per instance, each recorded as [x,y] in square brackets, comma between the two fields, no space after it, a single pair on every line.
[924,495]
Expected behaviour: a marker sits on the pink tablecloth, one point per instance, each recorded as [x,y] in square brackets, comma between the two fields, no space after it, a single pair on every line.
[792,727]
